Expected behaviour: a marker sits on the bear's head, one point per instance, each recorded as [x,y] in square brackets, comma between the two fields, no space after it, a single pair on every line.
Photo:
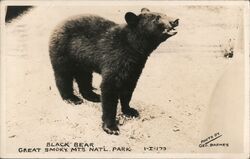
[156,26]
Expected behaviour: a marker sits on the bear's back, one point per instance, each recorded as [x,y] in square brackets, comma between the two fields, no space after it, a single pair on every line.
[90,26]
[87,27]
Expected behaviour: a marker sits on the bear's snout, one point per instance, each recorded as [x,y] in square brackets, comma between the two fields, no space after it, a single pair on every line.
[174,23]
[169,22]
[170,27]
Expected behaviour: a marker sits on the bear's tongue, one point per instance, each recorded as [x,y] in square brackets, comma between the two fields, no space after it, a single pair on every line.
[171,31]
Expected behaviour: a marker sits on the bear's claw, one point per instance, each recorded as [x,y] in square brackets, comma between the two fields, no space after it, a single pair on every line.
[131,112]
[112,130]
[74,100]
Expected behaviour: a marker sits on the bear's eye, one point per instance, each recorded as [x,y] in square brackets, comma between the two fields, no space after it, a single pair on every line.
[158,18]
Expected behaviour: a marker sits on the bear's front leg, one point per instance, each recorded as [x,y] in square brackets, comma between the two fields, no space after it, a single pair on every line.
[109,100]
[125,97]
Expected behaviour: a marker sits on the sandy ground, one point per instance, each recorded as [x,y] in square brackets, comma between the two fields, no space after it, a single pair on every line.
[175,94]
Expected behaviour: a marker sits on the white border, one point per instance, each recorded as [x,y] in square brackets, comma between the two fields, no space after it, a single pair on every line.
[117,3]
[247,72]
[2,81]
[245,4]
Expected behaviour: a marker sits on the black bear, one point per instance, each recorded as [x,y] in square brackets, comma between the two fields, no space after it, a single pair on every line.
[86,44]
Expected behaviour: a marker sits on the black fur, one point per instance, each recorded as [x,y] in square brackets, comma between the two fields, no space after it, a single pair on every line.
[88,44]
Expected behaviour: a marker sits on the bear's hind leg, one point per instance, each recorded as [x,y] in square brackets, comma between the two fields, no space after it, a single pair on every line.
[64,83]
[84,81]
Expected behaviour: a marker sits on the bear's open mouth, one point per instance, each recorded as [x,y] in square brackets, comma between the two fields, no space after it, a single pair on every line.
[170,31]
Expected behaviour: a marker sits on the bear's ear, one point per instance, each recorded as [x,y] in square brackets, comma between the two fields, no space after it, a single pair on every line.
[131,19]
[145,10]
